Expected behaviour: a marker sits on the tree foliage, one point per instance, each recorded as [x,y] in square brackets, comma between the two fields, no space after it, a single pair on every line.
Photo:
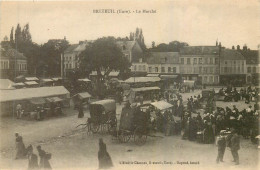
[173,46]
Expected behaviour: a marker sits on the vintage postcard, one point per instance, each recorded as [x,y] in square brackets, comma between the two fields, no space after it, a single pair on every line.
[170,84]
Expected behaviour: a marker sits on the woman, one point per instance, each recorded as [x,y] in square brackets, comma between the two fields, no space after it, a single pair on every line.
[32,158]
[20,148]
[104,158]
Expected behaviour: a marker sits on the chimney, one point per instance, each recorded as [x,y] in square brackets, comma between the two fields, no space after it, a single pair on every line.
[64,37]
[216,43]
[244,47]
[238,47]
[233,47]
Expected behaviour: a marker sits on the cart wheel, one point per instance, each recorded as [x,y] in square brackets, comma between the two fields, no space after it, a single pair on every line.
[94,127]
[140,136]
[124,137]
[111,124]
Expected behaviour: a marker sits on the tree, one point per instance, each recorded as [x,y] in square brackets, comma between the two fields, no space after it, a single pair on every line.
[12,36]
[153,44]
[49,60]
[173,46]
[103,55]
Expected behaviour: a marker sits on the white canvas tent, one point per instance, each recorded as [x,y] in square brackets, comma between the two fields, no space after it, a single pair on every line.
[29,93]
[162,105]
[142,79]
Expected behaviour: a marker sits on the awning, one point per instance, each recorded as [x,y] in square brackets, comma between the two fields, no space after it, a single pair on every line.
[142,79]
[6,84]
[152,75]
[47,80]
[84,95]
[162,105]
[169,76]
[30,83]
[54,99]
[31,78]
[37,101]
[56,78]
[111,74]
[29,93]
[19,84]
[85,80]
[145,89]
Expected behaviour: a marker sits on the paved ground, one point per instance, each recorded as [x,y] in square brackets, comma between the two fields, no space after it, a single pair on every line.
[74,149]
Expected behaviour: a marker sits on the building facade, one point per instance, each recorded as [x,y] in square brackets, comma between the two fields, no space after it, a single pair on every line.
[131,50]
[70,58]
[232,67]
[12,63]
[200,63]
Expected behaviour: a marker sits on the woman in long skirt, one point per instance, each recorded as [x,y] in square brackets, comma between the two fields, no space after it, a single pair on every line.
[104,158]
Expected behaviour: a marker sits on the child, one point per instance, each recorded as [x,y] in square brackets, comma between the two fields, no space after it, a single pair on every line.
[221,143]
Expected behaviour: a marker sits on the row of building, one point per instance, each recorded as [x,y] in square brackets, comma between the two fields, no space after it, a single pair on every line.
[204,64]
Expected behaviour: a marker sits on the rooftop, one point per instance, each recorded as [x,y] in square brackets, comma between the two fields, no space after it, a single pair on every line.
[229,54]
[163,57]
[199,50]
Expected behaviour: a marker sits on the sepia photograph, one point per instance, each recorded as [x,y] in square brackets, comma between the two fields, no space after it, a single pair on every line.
[120,84]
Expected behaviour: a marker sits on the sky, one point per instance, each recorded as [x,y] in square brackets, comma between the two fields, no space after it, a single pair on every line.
[197,22]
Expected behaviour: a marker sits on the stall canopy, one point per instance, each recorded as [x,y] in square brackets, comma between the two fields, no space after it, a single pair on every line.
[29,93]
[169,76]
[37,101]
[6,84]
[142,79]
[145,89]
[152,75]
[111,74]
[56,78]
[84,95]
[189,83]
[18,84]
[46,80]
[85,80]
[30,83]
[31,79]
[54,99]
[162,105]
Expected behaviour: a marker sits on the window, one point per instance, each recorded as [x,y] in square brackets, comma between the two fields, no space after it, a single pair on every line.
[211,69]
[206,60]
[124,47]
[200,60]
[216,60]
[235,62]
[140,60]
[135,68]
[216,79]
[69,66]
[238,69]
[174,69]
[249,69]
[194,60]
[211,61]
[225,69]
[162,69]
[226,62]
[139,68]
[205,79]
[182,60]
[188,60]
[150,69]
[211,79]
[156,69]
[204,70]
[200,70]
[169,69]
[144,68]
[254,69]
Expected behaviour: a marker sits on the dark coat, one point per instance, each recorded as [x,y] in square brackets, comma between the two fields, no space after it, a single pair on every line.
[33,161]
[104,158]
[235,142]
[44,161]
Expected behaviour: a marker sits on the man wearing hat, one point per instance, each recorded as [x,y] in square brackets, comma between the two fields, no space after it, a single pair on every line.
[221,144]
[235,146]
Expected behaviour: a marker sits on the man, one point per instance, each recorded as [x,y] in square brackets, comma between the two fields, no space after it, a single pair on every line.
[18,111]
[235,146]
[221,144]
[104,159]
